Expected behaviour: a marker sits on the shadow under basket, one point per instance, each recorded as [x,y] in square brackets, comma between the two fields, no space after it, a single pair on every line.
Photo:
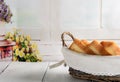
[85,76]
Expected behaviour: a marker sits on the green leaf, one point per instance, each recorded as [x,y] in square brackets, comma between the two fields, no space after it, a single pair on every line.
[21,59]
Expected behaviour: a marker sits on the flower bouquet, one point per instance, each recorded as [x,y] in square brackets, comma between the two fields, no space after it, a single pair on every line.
[5,12]
[24,50]
[5,16]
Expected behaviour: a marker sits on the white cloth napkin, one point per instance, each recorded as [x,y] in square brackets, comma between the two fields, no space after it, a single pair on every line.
[91,64]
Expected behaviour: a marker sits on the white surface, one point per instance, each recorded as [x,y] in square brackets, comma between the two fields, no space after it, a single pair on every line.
[36,72]
[79,14]
[3,65]
[111,13]
[35,14]
[50,52]
[24,72]
[46,19]
[59,74]
[97,65]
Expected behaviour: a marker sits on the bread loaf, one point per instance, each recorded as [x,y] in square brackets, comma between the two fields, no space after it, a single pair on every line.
[104,48]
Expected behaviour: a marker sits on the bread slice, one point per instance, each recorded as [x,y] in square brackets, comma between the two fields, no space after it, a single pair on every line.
[77,46]
[104,48]
[111,47]
[81,46]
[96,47]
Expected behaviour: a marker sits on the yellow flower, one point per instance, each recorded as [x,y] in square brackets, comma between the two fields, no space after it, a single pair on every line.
[7,35]
[9,40]
[34,46]
[16,30]
[27,60]
[37,52]
[26,42]
[21,38]
[13,38]
[39,58]
[15,47]
[10,34]
[17,52]
[28,37]
[27,54]
[23,49]
[27,49]
[15,58]
[17,39]
[21,54]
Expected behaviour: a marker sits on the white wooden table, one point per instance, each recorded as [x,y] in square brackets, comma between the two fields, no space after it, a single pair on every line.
[3,66]
[34,72]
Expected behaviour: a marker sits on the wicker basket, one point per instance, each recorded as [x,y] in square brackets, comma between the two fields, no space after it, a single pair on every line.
[82,75]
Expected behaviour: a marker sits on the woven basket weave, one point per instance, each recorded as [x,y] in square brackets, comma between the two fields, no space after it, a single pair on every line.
[82,75]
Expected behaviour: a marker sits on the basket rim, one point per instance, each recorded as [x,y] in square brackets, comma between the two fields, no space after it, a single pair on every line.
[93,64]
[91,55]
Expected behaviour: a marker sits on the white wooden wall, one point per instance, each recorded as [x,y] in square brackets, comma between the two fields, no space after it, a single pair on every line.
[45,20]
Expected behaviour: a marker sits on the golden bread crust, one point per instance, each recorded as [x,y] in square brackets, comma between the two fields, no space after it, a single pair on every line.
[78,46]
[104,48]
[96,47]
[111,47]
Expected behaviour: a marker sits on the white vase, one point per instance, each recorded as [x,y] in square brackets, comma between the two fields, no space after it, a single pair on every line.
[2,28]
